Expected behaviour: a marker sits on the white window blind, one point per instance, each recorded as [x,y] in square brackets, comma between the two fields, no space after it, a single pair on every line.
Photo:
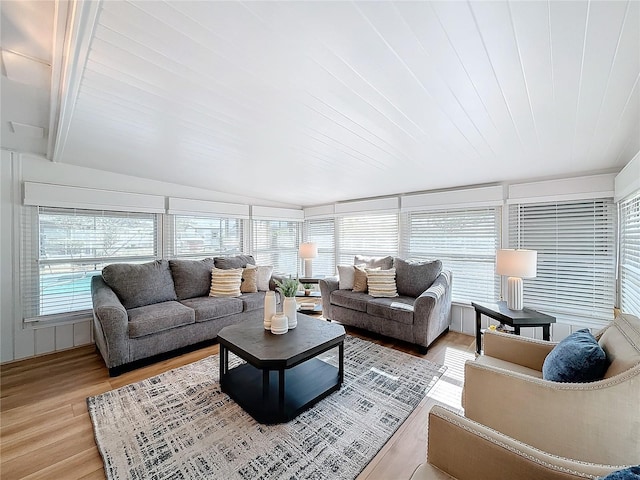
[275,242]
[205,236]
[465,241]
[575,242]
[373,235]
[322,232]
[63,248]
[630,255]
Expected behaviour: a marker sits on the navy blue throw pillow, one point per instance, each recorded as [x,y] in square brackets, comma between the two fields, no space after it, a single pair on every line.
[578,358]
[631,473]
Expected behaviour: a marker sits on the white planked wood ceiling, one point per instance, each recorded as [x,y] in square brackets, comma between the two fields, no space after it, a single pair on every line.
[314,102]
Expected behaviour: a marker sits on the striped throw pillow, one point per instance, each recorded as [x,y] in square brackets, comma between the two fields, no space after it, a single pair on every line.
[225,283]
[382,283]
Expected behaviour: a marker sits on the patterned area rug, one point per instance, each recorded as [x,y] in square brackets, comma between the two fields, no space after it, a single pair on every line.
[180,425]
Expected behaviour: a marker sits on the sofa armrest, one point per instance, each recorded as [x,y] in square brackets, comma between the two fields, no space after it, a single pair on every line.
[594,422]
[111,323]
[480,452]
[327,285]
[431,310]
[524,351]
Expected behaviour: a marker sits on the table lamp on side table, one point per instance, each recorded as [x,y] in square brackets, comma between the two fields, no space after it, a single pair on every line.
[516,264]
[308,251]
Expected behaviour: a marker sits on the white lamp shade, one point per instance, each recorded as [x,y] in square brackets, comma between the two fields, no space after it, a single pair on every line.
[516,263]
[308,250]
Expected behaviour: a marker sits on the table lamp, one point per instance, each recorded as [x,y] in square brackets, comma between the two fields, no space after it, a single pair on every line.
[308,251]
[516,264]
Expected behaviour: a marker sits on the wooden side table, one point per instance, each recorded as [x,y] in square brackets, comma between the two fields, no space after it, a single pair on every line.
[514,318]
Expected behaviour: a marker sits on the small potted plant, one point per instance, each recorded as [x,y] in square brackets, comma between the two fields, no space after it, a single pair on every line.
[307,288]
[288,288]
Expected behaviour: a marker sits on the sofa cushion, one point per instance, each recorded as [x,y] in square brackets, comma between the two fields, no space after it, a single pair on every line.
[359,279]
[382,283]
[236,261]
[248,282]
[506,365]
[137,285]
[383,263]
[399,309]
[209,308]
[350,299]
[620,340]
[155,318]
[263,277]
[192,278]
[252,301]
[225,283]
[577,358]
[414,278]
[346,275]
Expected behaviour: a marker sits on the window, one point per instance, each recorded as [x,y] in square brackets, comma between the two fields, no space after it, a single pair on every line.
[373,235]
[199,237]
[575,242]
[275,242]
[322,232]
[64,248]
[465,241]
[630,255]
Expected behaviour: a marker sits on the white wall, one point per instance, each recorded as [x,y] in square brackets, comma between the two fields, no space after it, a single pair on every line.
[17,341]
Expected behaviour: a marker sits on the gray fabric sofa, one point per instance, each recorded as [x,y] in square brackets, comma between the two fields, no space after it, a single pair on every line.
[419,315]
[144,310]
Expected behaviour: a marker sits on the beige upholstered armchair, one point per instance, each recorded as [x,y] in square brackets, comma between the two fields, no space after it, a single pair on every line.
[594,422]
[463,449]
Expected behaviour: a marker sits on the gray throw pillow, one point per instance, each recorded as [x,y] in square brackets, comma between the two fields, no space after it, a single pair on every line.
[140,285]
[192,278]
[413,278]
[236,261]
[383,263]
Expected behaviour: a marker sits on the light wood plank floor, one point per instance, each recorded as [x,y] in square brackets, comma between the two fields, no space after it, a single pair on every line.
[45,430]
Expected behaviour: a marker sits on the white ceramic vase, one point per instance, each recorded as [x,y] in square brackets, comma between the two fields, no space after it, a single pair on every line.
[290,309]
[269,308]
[279,324]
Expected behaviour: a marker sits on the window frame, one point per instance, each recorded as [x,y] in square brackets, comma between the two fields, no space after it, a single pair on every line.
[31,260]
[629,254]
[451,258]
[571,254]
[171,243]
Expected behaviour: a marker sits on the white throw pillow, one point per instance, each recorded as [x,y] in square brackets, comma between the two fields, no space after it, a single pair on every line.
[345,276]
[263,277]
[382,283]
[225,283]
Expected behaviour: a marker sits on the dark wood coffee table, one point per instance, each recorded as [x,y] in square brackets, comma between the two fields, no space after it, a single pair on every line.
[282,377]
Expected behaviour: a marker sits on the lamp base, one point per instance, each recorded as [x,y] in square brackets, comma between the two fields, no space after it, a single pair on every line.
[514,293]
[308,270]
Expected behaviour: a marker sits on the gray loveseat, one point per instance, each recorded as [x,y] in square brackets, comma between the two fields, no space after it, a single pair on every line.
[419,315]
[144,310]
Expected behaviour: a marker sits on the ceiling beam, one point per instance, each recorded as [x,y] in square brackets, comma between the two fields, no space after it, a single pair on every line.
[74,25]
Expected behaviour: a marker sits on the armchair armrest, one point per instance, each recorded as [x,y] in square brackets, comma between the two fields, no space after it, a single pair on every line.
[593,422]
[327,285]
[465,449]
[523,351]
[111,323]
[431,310]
